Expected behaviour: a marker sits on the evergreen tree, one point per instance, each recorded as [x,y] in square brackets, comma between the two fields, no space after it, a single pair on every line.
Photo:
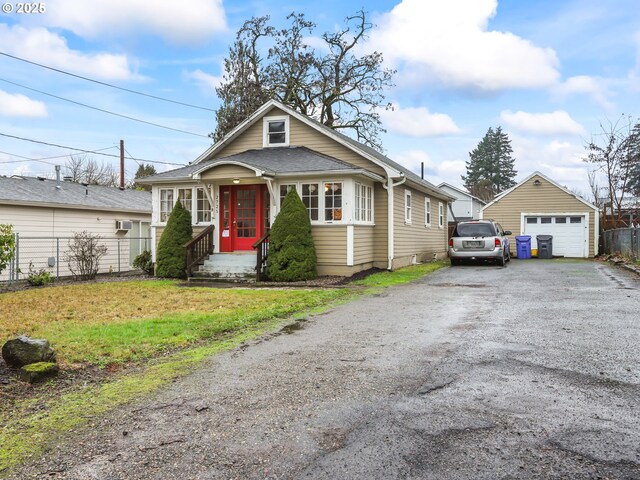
[171,258]
[144,170]
[292,252]
[490,169]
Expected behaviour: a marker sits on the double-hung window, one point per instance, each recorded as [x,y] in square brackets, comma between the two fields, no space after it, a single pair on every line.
[363,203]
[333,201]
[276,131]
[310,198]
[284,189]
[185,196]
[166,203]
[440,215]
[203,210]
[407,207]
[427,212]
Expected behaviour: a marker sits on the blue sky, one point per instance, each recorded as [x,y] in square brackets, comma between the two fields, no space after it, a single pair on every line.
[548,72]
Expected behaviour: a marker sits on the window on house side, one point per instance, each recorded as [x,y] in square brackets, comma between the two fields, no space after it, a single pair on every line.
[284,189]
[310,199]
[440,215]
[427,212]
[185,195]
[332,202]
[363,203]
[166,203]
[407,207]
[204,207]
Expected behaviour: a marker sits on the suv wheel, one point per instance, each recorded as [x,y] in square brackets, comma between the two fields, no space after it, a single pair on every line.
[500,261]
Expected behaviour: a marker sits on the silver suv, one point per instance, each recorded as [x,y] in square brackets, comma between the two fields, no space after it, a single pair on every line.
[479,240]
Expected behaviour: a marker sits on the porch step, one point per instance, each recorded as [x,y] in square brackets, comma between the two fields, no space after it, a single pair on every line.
[228,266]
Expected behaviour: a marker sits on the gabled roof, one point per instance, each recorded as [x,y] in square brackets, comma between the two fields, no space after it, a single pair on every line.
[267,161]
[21,190]
[507,192]
[393,169]
[466,194]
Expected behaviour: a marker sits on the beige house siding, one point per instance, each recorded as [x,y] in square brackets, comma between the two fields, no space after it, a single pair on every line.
[331,246]
[416,239]
[300,135]
[363,241]
[228,172]
[543,198]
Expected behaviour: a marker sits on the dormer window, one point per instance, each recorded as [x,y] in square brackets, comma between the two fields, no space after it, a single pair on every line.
[276,131]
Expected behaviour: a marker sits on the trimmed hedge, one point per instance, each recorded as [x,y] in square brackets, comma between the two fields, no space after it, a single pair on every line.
[171,259]
[292,253]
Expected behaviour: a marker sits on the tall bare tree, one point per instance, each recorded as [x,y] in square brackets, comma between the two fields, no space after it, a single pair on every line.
[335,84]
[615,153]
[83,168]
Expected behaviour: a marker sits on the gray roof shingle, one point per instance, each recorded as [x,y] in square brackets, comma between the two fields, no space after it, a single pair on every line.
[36,191]
[272,161]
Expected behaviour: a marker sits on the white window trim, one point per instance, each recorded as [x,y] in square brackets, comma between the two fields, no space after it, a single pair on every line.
[194,204]
[194,201]
[408,207]
[321,203]
[427,212]
[265,131]
[355,212]
[440,215]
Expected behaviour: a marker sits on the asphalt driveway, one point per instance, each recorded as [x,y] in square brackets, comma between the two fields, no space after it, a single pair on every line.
[529,371]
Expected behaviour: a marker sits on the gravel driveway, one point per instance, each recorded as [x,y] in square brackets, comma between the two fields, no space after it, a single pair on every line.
[478,372]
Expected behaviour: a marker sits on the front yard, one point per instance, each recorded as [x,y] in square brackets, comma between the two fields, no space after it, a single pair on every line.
[117,342]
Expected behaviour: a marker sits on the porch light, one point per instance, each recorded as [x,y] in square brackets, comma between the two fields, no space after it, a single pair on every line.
[312,188]
[236,181]
[536,182]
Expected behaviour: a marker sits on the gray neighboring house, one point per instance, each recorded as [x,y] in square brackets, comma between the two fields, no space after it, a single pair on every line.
[466,206]
[42,210]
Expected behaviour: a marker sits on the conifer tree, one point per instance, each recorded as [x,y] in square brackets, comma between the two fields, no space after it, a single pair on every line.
[490,169]
[292,252]
[171,258]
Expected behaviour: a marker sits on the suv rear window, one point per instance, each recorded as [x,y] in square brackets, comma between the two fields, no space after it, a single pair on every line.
[474,230]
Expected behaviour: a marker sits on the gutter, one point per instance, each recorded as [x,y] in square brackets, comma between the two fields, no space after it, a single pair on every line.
[389,186]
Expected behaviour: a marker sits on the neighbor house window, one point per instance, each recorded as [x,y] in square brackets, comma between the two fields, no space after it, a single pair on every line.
[284,189]
[276,131]
[185,195]
[407,207]
[333,202]
[363,203]
[166,203]
[310,199]
[427,212]
[440,215]
[203,211]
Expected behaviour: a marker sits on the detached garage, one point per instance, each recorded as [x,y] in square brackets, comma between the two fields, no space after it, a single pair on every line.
[539,206]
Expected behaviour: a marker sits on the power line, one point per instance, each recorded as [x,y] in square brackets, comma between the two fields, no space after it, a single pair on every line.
[108,84]
[86,151]
[41,159]
[103,110]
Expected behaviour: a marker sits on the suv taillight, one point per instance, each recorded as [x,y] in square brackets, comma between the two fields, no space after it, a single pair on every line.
[451,242]
[497,242]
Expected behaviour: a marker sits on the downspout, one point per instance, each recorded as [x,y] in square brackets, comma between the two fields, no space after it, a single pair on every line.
[389,188]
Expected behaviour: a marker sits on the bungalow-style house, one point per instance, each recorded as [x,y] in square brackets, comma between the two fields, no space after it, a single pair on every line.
[46,213]
[539,206]
[465,206]
[366,210]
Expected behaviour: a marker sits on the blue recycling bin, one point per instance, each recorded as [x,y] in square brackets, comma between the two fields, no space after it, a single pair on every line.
[523,246]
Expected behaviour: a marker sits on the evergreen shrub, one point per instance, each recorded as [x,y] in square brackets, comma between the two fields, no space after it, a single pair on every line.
[171,258]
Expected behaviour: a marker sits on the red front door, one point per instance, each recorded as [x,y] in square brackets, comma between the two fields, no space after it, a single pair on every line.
[241,212]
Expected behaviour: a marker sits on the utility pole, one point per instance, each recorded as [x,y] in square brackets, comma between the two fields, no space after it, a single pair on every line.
[121,164]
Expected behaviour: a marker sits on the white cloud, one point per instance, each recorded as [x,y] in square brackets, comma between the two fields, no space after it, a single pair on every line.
[554,123]
[449,42]
[418,122]
[18,105]
[205,81]
[189,22]
[582,84]
[42,46]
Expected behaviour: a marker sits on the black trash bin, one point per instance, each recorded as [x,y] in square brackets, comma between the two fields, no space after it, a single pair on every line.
[545,246]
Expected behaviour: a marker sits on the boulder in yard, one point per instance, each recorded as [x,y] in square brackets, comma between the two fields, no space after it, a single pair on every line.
[26,350]
[36,372]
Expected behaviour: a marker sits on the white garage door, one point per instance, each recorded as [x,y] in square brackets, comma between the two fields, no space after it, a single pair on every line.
[569,233]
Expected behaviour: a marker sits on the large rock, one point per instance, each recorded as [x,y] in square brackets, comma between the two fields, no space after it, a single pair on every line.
[25,351]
